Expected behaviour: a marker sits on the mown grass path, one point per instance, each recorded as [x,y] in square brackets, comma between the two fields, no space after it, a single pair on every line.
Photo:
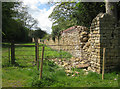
[17,77]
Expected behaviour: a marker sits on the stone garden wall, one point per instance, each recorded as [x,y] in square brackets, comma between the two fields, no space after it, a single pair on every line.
[72,40]
[88,44]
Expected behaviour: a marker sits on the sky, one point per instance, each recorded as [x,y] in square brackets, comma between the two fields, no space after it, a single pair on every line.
[40,10]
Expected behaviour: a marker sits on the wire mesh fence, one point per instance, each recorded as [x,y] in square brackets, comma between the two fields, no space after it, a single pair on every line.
[5,54]
[25,54]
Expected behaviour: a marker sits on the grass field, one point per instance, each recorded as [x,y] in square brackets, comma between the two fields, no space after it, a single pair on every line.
[27,75]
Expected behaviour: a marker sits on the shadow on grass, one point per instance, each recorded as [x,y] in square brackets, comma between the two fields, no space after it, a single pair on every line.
[16,64]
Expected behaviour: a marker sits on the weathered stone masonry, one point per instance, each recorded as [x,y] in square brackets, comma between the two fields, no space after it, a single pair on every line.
[89,44]
[103,34]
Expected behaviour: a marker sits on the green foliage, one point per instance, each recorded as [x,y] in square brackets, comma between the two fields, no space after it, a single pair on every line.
[47,36]
[38,33]
[118,80]
[15,31]
[61,16]
[49,77]
[58,78]
[84,12]
[67,14]
[55,32]
[24,17]
[7,11]
[15,23]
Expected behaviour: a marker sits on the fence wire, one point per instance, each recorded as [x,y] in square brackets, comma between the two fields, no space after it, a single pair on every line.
[26,53]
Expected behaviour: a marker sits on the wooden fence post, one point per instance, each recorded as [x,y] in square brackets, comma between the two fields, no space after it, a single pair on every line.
[41,63]
[12,53]
[103,67]
[37,54]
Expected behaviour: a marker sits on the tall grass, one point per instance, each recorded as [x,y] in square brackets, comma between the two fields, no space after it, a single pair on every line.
[25,74]
[54,76]
[25,69]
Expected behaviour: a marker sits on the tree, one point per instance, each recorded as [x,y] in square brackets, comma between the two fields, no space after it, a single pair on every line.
[62,13]
[55,32]
[62,17]
[16,22]
[86,12]
[7,14]
[25,17]
[38,33]
[67,14]
[111,8]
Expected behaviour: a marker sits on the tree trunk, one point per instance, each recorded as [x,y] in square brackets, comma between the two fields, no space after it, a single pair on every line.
[36,39]
[111,8]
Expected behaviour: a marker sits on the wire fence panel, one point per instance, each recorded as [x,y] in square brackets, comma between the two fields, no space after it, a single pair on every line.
[6,55]
[23,54]
[27,53]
